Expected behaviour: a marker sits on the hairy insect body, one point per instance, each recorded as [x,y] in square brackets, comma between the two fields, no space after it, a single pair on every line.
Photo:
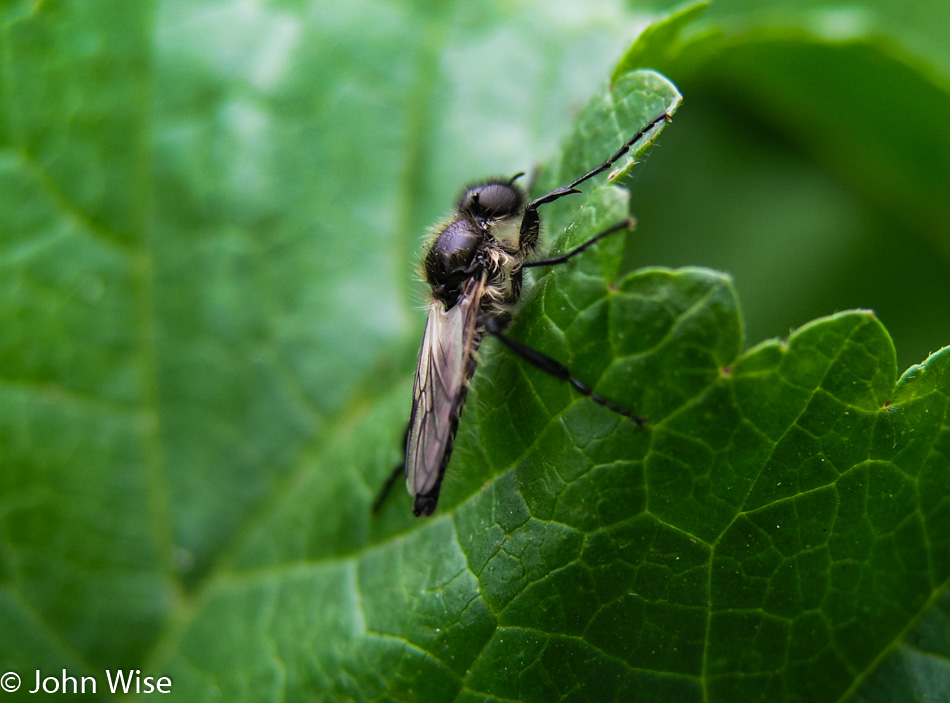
[487,235]
[474,266]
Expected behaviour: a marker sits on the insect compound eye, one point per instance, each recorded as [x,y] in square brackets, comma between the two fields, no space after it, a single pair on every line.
[491,200]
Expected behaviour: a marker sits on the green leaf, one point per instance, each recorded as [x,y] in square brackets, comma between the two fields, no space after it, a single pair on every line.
[661,44]
[813,159]
[206,219]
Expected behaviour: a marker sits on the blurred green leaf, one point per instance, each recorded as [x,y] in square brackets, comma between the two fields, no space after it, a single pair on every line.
[207,215]
[815,160]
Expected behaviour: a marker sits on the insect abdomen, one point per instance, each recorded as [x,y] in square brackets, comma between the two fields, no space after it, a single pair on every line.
[424,503]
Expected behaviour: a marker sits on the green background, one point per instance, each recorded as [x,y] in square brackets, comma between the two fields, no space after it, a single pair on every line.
[209,217]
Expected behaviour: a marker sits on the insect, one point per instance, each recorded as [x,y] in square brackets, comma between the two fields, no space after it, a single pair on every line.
[474,267]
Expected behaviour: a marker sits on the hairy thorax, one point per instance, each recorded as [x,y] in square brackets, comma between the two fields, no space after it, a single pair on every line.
[470,249]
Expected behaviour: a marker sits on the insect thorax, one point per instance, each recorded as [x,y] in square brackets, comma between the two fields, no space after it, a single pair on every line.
[468,249]
[487,240]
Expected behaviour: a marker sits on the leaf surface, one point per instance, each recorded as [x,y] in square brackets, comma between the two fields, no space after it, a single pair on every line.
[205,331]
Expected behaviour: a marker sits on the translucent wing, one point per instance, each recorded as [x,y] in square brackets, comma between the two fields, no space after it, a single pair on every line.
[446,363]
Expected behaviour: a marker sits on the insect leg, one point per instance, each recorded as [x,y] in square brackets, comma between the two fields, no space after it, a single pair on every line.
[387,487]
[617,155]
[495,327]
[627,224]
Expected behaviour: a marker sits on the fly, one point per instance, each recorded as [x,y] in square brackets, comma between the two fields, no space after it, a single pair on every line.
[474,268]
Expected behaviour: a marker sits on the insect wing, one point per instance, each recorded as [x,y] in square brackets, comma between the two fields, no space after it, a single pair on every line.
[446,361]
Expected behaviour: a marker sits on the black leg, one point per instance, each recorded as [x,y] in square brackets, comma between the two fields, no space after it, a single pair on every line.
[544,362]
[627,224]
[572,187]
[387,487]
